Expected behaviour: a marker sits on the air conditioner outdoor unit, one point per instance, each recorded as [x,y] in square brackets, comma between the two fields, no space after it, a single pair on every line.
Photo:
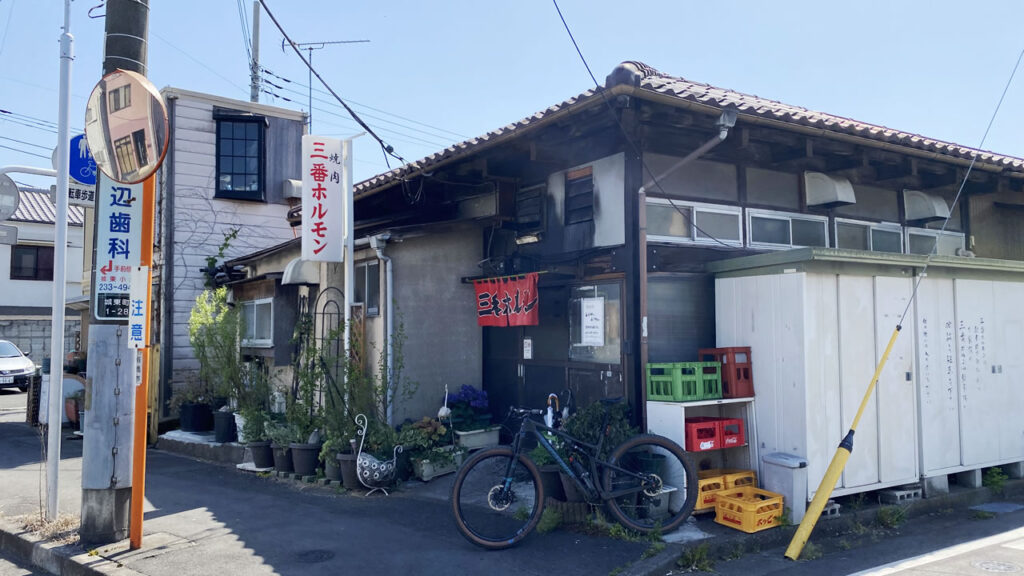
[828,191]
[922,207]
[292,188]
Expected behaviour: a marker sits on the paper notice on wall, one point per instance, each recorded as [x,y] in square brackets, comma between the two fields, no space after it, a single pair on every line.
[592,325]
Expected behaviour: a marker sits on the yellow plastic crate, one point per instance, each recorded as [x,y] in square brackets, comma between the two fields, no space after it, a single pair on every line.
[708,487]
[748,509]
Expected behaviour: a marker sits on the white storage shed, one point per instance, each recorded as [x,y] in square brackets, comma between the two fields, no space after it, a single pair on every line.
[951,396]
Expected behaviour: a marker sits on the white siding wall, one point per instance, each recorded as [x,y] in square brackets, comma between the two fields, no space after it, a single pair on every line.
[36,292]
[200,221]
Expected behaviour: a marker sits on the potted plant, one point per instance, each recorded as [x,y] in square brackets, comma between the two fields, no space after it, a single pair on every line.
[281,435]
[585,425]
[430,448]
[192,402]
[304,411]
[254,430]
[550,472]
[471,419]
[214,327]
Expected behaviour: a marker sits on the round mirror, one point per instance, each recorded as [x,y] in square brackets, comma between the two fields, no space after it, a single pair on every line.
[126,126]
[9,197]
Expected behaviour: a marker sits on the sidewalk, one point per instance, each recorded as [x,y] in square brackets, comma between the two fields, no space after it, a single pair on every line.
[208,518]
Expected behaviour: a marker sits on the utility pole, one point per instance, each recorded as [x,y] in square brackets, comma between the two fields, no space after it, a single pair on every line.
[309,47]
[107,443]
[60,244]
[254,86]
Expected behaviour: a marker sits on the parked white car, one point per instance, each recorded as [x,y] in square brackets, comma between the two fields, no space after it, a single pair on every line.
[15,367]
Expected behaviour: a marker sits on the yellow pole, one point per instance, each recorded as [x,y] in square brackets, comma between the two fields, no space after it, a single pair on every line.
[142,391]
[835,468]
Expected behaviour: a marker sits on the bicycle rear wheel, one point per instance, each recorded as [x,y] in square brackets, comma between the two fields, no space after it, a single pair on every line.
[663,487]
[491,512]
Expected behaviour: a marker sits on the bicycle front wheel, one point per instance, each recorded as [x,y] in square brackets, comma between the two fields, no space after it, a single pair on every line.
[495,506]
[658,489]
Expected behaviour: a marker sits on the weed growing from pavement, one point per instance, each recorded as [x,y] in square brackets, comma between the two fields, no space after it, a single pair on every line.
[63,530]
[845,544]
[994,479]
[811,551]
[696,560]
[982,515]
[736,552]
[653,550]
[549,520]
[786,519]
[891,516]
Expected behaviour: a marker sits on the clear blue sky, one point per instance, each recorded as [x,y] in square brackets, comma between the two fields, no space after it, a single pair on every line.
[439,72]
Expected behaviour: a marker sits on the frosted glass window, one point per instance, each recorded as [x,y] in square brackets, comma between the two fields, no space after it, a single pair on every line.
[718,225]
[669,220]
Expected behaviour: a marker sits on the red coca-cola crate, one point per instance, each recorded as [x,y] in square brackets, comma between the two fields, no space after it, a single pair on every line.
[732,432]
[703,433]
[737,378]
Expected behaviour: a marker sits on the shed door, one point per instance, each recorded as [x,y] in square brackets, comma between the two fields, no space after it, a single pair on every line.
[1010,368]
[897,407]
[936,376]
[980,399]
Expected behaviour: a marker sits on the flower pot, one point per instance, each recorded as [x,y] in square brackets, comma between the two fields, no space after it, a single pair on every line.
[262,454]
[332,468]
[195,417]
[223,427]
[349,477]
[550,479]
[71,410]
[426,469]
[282,458]
[572,491]
[239,426]
[473,439]
[305,458]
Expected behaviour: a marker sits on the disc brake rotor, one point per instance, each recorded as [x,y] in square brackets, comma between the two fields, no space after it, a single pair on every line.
[498,499]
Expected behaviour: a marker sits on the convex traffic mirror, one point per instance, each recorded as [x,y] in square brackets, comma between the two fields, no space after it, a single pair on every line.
[126,126]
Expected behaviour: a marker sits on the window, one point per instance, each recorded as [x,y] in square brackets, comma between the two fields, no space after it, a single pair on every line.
[259,323]
[675,221]
[125,156]
[923,241]
[595,324]
[240,158]
[579,196]
[31,262]
[530,208]
[781,230]
[367,287]
[139,140]
[120,97]
[876,237]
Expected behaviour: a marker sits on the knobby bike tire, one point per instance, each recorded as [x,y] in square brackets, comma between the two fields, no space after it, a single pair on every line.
[485,522]
[640,511]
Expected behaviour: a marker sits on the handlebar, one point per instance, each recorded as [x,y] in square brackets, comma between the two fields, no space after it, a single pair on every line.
[525,411]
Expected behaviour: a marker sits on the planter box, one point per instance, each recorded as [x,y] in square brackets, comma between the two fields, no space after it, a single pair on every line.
[426,470]
[473,439]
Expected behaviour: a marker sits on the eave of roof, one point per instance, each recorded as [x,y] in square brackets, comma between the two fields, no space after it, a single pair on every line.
[652,85]
[35,207]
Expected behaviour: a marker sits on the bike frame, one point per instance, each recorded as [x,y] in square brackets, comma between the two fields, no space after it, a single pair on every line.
[530,426]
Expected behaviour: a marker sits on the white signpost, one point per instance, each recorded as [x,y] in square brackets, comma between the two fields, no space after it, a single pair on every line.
[138,308]
[118,247]
[323,201]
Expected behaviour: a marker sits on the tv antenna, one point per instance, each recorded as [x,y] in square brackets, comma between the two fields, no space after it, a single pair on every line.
[309,47]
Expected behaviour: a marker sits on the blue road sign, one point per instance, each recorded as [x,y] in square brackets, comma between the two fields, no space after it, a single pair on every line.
[80,163]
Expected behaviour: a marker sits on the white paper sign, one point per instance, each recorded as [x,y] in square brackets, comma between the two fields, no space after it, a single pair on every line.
[323,198]
[592,325]
[118,246]
[527,348]
[138,308]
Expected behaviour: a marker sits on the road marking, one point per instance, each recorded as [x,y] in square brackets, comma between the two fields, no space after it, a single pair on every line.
[946,553]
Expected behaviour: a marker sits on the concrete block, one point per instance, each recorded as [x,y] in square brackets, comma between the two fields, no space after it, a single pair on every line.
[1014,469]
[935,486]
[831,510]
[284,474]
[307,479]
[900,495]
[969,479]
[324,481]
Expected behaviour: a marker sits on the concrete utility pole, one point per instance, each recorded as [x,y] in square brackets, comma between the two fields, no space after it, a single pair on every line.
[107,446]
[254,86]
[60,244]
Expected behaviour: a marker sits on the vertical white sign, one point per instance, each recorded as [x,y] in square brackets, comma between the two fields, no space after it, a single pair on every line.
[323,201]
[118,246]
[592,314]
[138,308]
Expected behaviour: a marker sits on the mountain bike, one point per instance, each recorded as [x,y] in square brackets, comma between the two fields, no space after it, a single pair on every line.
[498,498]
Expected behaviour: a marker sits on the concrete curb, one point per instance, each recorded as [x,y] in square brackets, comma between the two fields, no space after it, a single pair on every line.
[58,559]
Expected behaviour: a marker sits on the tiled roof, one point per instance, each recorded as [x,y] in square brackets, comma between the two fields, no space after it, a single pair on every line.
[36,207]
[647,79]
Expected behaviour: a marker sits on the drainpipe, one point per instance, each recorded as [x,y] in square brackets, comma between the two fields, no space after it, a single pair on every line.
[726,121]
[378,243]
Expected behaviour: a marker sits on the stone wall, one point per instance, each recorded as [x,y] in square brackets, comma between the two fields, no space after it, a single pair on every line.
[33,336]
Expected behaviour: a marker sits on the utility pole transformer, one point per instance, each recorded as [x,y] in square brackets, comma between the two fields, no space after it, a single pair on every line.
[110,387]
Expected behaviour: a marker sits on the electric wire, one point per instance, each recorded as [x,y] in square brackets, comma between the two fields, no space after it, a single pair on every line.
[963,183]
[199,62]
[388,149]
[7,26]
[26,143]
[25,152]
[246,39]
[636,150]
[367,106]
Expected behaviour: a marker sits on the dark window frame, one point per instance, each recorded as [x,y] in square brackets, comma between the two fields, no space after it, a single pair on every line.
[369,272]
[40,273]
[260,194]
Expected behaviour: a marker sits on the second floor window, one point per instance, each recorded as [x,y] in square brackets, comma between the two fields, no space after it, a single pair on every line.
[240,158]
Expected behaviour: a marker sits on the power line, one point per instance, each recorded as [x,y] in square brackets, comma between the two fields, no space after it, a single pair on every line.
[26,143]
[384,146]
[625,135]
[246,40]
[368,107]
[24,152]
[200,62]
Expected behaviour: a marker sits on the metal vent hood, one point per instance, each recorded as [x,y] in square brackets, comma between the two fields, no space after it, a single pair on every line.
[828,191]
[923,207]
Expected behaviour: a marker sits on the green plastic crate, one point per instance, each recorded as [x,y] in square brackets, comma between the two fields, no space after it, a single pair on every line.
[684,381]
